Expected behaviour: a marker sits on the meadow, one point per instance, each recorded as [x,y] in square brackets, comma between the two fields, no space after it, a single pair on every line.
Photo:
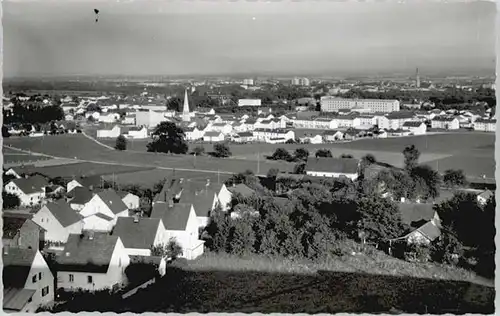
[471,152]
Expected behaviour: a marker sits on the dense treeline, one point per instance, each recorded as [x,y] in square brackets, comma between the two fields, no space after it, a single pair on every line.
[34,113]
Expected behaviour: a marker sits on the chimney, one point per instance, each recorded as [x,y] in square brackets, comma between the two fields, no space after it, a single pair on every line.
[91,235]
[136,218]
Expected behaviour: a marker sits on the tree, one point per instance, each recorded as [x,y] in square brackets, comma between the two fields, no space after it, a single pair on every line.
[273,173]
[447,248]
[369,159]
[121,143]
[428,180]
[5,132]
[346,156]
[174,104]
[454,178]
[199,150]
[379,219]
[301,154]
[168,138]
[323,153]
[299,168]
[241,237]
[281,154]
[171,250]
[411,155]
[10,200]
[222,150]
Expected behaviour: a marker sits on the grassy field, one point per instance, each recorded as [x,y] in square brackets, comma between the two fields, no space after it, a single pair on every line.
[19,158]
[82,169]
[148,178]
[471,152]
[224,283]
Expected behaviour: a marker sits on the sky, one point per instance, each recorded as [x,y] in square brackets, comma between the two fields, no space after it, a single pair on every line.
[51,38]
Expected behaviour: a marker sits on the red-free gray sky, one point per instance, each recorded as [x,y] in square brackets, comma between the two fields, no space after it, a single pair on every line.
[195,37]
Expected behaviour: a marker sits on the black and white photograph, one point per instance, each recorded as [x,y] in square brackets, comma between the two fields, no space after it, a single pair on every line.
[177,156]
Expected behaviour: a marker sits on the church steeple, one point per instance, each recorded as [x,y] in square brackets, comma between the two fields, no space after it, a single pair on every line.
[185,109]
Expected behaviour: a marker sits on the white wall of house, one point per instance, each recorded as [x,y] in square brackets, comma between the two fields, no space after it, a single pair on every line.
[188,238]
[138,252]
[109,118]
[417,237]
[97,224]
[224,197]
[195,134]
[420,130]
[25,199]
[39,268]
[96,205]
[72,184]
[140,134]
[485,127]
[454,124]
[218,138]
[352,176]
[109,133]
[132,201]
[54,230]
[114,276]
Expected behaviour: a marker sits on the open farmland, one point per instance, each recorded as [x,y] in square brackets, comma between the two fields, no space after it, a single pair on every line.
[148,178]
[472,152]
[81,169]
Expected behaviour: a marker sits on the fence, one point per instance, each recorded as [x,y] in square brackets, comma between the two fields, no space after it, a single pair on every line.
[139,287]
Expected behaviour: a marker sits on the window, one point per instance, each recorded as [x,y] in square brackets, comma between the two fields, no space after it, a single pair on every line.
[30,299]
[45,291]
[71,278]
[89,279]
[39,275]
[34,279]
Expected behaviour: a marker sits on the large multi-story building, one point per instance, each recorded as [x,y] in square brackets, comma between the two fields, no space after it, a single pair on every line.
[301,82]
[334,104]
[248,82]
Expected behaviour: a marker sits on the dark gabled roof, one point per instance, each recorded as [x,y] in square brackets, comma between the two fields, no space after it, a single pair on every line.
[337,165]
[482,120]
[123,194]
[80,195]
[82,254]
[415,212]
[400,115]
[16,266]
[32,184]
[430,231]
[212,134]
[63,213]
[443,118]
[140,235]
[331,132]
[175,217]
[171,187]
[15,299]
[242,189]
[202,200]
[245,134]
[90,181]
[12,226]
[112,201]
[413,124]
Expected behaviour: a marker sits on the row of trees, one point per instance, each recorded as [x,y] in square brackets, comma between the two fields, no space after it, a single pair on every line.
[33,114]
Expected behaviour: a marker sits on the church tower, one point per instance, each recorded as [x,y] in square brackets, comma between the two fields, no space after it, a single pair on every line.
[418,79]
[185,109]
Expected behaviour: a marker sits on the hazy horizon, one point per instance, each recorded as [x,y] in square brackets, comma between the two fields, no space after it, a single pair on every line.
[213,38]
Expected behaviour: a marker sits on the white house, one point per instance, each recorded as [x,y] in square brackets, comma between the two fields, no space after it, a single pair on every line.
[106,203]
[181,224]
[204,200]
[269,135]
[396,120]
[129,119]
[92,262]
[317,139]
[445,122]
[193,133]
[28,282]
[132,201]
[331,136]
[348,121]
[59,221]
[98,222]
[243,137]
[249,102]
[31,191]
[92,182]
[109,133]
[109,117]
[213,137]
[270,124]
[137,133]
[483,197]
[415,127]
[485,125]
[332,167]
[223,128]
[367,120]
[139,235]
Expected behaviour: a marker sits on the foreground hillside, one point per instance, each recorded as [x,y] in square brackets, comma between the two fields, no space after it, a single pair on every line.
[224,283]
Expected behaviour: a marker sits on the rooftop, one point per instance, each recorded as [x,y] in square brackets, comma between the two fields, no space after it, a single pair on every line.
[334,165]
[138,235]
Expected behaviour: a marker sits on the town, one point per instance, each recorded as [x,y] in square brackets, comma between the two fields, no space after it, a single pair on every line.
[249,193]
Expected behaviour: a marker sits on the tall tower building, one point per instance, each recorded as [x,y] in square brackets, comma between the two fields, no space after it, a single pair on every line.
[418,79]
[185,109]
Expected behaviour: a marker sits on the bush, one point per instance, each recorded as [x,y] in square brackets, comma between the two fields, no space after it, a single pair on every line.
[199,150]
[222,151]
[121,143]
